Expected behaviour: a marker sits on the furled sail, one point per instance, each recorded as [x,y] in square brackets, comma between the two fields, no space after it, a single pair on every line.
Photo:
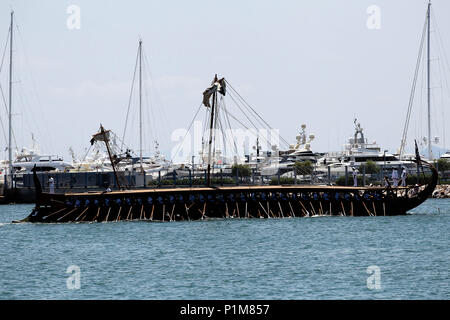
[103,135]
[219,86]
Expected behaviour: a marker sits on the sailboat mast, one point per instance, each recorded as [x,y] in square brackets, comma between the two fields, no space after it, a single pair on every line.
[10,100]
[211,126]
[430,154]
[140,102]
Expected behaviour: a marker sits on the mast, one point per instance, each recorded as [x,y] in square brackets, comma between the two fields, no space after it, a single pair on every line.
[10,101]
[211,125]
[140,103]
[103,135]
[430,154]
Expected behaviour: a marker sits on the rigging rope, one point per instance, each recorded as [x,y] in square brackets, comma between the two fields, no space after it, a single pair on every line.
[4,50]
[242,124]
[35,91]
[6,108]
[161,111]
[189,128]
[1,89]
[249,106]
[413,89]
[129,100]
[446,63]
[227,120]
[3,95]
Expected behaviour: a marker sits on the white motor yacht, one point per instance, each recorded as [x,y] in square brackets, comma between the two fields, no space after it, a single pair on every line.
[357,152]
[26,159]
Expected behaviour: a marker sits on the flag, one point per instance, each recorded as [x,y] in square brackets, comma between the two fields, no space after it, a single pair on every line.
[103,135]
[219,85]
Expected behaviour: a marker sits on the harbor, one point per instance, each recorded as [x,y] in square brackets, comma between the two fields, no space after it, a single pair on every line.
[398,181]
[205,155]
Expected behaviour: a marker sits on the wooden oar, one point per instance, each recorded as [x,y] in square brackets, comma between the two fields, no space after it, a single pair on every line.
[171,215]
[81,213]
[301,203]
[343,209]
[292,210]
[129,211]
[51,214]
[187,212]
[60,218]
[98,213]
[201,212]
[312,207]
[142,212]
[204,210]
[107,215]
[246,213]
[268,216]
[151,215]
[226,210]
[281,210]
[368,211]
[118,214]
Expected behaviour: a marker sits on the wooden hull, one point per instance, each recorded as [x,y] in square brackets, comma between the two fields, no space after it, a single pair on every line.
[235,202]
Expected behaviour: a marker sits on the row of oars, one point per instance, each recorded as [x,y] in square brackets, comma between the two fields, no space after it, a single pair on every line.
[261,210]
[110,216]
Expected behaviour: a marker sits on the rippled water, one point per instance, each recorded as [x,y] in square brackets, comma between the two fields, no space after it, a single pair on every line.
[298,258]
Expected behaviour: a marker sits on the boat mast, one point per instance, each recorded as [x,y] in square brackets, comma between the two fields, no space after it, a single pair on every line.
[211,125]
[113,165]
[140,103]
[430,154]
[10,100]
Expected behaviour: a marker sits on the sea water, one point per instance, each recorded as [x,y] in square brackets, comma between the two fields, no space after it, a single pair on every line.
[400,257]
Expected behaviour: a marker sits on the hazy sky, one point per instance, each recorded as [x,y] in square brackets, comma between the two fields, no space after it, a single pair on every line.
[312,62]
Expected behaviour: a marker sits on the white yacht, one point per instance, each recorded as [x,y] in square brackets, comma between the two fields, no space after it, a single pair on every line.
[446,156]
[96,161]
[155,166]
[271,162]
[26,159]
[274,164]
[357,152]
[302,150]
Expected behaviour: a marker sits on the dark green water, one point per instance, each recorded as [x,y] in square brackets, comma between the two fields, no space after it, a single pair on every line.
[298,258]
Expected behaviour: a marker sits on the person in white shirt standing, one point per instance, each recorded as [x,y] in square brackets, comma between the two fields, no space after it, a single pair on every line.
[355,177]
[395,177]
[51,185]
[403,176]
